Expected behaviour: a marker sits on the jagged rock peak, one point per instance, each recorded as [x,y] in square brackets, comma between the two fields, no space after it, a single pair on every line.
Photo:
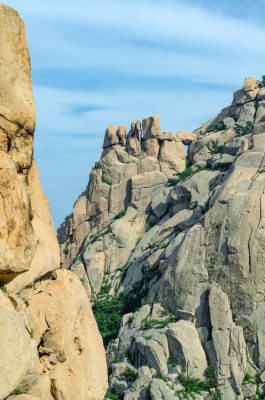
[142,138]
[180,248]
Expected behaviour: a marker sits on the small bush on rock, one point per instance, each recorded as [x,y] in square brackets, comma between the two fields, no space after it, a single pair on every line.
[172,362]
[163,378]
[210,377]
[244,130]
[192,385]
[112,396]
[215,149]
[104,180]
[109,310]
[183,175]
[3,288]
[66,250]
[130,375]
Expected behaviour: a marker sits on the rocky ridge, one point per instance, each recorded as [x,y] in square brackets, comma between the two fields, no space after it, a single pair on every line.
[178,250]
[50,346]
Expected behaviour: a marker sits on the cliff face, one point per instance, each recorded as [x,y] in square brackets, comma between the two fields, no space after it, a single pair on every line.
[48,335]
[179,251]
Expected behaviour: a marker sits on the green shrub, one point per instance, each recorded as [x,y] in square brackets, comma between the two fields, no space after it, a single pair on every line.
[104,180]
[163,378]
[3,288]
[156,323]
[172,362]
[192,385]
[261,170]
[125,162]
[152,222]
[112,396]
[215,148]
[244,130]
[173,182]
[183,175]
[177,231]
[109,310]
[117,360]
[66,250]
[193,206]
[249,379]
[130,375]
[18,391]
[210,377]
[121,214]
[216,395]
[263,80]
[148,337]
[164,245]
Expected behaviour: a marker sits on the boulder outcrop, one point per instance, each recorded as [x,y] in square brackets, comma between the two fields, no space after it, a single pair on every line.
[175,243]
[50,346]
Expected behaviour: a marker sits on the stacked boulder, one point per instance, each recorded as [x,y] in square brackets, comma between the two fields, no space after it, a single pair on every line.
[188,243]
[129,164]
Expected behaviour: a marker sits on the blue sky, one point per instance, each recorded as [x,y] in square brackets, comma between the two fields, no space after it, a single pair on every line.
[97,63]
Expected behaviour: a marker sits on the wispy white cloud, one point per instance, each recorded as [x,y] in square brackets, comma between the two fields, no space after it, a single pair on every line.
[103,62]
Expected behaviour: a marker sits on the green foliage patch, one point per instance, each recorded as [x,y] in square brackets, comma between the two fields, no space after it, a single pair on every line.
[130,375]
[215,149]
[112,396]
[172,362]
[104,180]
[66,250]
[157,323]
[121,214]
[244,130]
[192,385]
[4,289]
[183,175]
[163,378]
[109,310]
[210,377]
[193,206]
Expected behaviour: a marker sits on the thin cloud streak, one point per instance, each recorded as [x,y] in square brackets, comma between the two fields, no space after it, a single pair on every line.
[116,61]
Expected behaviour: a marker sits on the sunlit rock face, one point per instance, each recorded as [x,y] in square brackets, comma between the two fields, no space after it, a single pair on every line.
[183,238]
[47,337]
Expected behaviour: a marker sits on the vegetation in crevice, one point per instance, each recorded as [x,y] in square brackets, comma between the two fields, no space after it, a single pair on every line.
[157,323]
[66,250]
[104,180]
[187,173]
[244,130]
[4,289]
[130,375]
[215,148]
[110,395]
[195,386]
[108,310]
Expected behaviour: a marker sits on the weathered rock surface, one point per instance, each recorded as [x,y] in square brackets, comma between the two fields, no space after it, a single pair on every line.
[193,254]
[50,346]
[15,347]
[64,327]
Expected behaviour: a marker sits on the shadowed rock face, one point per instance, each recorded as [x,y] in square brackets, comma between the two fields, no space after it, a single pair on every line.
[42,362]
[190,245]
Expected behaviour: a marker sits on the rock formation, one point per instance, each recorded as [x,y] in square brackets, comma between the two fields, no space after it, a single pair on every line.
[50,347]
[171,252]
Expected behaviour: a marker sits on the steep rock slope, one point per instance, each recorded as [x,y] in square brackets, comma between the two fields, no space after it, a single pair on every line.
[50,347]
[179,252]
